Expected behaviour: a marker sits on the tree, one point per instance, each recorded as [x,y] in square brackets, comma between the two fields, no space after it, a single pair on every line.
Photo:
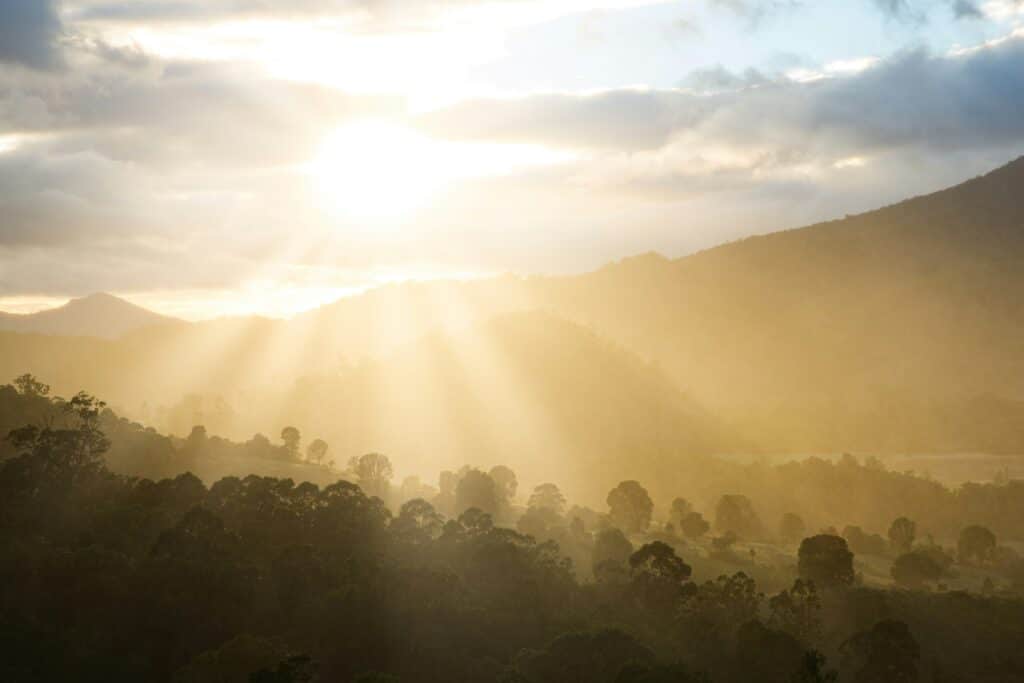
[812,670]
[549,497]
[792,527]
[825,560]
[694,525]
[797,611]
[913,569]
[736,513]
[69,447]
[506,483]
[678,512]
[901,534]
[612,551]
[477,490]
[417,521]
[590,657]
[28,385]
[658,575]
[316,451]
[772,655]
[887,653]
[863,543]
[373,473]
[291,438]
[298,669]
[630,507]
[976,544]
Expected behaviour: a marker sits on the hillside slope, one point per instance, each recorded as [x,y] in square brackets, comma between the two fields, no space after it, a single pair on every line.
[96,315]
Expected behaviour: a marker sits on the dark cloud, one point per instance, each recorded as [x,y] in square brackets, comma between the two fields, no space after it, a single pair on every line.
[966,9]
[29,31]
[902,10]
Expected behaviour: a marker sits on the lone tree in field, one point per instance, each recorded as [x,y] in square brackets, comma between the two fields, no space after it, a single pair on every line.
[826,561]
[630,507]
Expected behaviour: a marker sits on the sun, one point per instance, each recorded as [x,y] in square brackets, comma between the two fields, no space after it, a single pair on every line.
[377,169]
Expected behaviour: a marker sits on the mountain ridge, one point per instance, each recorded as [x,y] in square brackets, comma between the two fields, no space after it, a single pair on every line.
[99,315]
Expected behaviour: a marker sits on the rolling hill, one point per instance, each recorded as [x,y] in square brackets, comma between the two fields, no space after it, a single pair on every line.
[96,315]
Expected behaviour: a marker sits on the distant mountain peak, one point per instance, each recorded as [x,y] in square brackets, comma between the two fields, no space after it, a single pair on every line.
[95,315]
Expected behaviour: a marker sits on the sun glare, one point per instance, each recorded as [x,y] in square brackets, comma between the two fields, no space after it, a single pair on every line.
[383,170]
[376,169]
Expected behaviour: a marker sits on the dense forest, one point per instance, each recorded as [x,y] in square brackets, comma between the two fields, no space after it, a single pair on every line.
[151,573]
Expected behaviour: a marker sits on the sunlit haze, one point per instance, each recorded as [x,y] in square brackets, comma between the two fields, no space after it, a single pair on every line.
[223,149]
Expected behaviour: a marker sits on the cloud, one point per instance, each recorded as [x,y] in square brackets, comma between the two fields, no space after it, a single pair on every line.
[719,79]
[618,119]
[966,9]
[29,30]
[182,112]
[912,99]
[756,12]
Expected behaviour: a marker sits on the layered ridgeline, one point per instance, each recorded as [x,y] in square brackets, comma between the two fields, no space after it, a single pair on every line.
[894,331]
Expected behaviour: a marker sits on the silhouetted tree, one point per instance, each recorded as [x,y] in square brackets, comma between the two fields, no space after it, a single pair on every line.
[792,527]
[28,385]
[812,670]
[797,611]
[826,561]
[735,513]
[477,490]
[417,521]
[291,438]
[592,657]
[887,653]
[976,544]
[863,543]
[505,481]
[547,496]
[658,576]
[901,534]
[316,451]
[775,656]
[913,569]
[373,473]
[679,511]
[612,551]
[630,507]
[694,525]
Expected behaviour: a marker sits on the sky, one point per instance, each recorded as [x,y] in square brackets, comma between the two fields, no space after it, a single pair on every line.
[227,157]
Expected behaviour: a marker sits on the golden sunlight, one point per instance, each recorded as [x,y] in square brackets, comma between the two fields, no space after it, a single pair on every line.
[382,170]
